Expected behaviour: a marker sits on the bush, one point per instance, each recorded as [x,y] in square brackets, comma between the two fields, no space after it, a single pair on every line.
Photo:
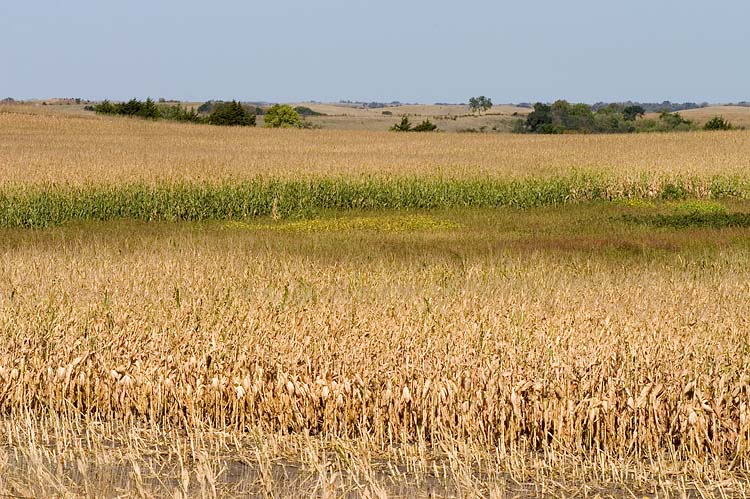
[717,123]
[105,107]
[306,111]
[148,110]
[207,107]
[404,126]
[425,126]
[282,116]
[518,126]
[231,114]
[178,113]
[667,122]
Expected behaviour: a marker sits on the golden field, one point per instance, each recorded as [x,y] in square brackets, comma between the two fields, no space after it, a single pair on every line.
[737,115]
[92,149]
[518,347]
[586,349]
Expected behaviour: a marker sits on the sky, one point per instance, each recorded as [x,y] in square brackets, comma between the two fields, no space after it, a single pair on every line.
[379,50]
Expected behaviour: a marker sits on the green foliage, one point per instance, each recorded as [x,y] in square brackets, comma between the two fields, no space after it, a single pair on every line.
[231,114]
[631,113]
[176,112]
[564,117]
[479,104]
[425,126]
[667,122]
[49,205]
[404,126]
[134,107]
[207,107]
[694,213]
[148,109]
[717,123]
[105,107]
[306,111]
[673,120]
[282,116]
[539,119]
[518,126]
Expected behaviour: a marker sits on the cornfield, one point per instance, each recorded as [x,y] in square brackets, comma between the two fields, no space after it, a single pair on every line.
[505,346]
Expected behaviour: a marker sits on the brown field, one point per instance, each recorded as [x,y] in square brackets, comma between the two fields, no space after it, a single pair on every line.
[579,350]
[737,115]
[453,118]
[426,110]
[51,148]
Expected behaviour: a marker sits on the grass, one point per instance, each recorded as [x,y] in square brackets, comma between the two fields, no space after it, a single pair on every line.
[70,151]
[737,115]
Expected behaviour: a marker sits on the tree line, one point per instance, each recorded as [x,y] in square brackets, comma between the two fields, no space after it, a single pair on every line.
[232,113]
[564,117]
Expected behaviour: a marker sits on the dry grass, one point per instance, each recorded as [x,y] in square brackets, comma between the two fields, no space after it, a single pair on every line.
[104,150]
[737,115]
[427,110]
[470,354]
[490,347]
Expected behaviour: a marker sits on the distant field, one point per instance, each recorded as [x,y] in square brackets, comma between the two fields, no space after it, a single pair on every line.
[426,110]
[453,118]
[737,115]
[91,149]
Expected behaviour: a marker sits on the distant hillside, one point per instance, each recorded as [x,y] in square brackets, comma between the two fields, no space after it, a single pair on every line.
[736,115]
[656,107]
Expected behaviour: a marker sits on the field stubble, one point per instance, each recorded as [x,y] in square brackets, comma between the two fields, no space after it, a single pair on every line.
[490,354]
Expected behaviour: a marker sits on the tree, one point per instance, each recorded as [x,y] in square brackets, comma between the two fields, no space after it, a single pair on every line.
[717,123]
[425,126]
[148,110]
[674,120]
[306,111]
[178,113]
[539,118]
[129,108]
[105,107]
[231,114]
[479,104]
[404,126]
[282,116]
[630,113]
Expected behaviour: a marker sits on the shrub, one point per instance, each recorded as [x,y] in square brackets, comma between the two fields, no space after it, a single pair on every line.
[632,112]
[518,126]
[404,126]
[207,107]
[282,116]
[178,113]
[717,123]
[425,126]
[148,110]
[306,111]
[231,114]
[667,122]
[105,107]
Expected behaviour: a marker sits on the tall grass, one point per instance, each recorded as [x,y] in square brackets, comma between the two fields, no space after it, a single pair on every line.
[40,206]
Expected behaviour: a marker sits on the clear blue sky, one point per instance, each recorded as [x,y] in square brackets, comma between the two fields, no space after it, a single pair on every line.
[412,51]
